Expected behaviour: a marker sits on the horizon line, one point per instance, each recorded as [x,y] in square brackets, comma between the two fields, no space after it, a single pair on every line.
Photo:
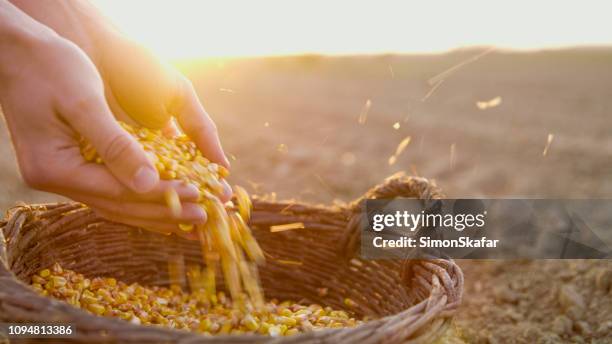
[499,49]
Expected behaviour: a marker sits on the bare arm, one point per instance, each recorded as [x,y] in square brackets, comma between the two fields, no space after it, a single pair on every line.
[51,93]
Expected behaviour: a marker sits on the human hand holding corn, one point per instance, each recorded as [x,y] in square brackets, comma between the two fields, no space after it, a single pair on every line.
[66,74]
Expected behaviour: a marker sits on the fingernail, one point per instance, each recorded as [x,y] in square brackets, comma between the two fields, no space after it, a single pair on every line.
[191,192]
[196,214]
[144,179]
[193,213]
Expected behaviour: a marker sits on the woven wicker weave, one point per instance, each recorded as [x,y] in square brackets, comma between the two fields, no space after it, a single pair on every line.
[410,301]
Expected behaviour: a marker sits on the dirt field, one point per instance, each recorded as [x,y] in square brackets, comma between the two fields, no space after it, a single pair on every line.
[292,126]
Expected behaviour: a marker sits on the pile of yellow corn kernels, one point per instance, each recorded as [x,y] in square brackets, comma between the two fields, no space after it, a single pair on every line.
[226,240]
[195,311]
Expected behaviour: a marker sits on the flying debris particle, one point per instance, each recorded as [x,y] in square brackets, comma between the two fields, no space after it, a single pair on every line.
[286,227]
[282,148]
[400,148]
[548,142]
[452,155]
[437,80]
[232,156]
[288,262]
[272,196]
[266,124]
[433,88]
[255,186]
[285,210]
[325,185]
[441,76]
[268,196]
[396,125]
[227,90]
[363,116]
[486,104]
[347,159]
[391,72]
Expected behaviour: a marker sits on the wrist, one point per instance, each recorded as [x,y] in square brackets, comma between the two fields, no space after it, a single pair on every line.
[19,35]
[75,20]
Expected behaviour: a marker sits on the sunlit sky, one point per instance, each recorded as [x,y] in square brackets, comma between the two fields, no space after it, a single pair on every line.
[202,28]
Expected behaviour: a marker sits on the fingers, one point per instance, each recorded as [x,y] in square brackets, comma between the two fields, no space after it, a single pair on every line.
[65,171]
[165,228]
[96,180]
[155,226]
[199,126]
[171,130]
[152,212]
[125,158]
[227,191]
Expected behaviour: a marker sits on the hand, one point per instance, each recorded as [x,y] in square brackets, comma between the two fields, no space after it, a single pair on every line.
[140,88]
[51,93]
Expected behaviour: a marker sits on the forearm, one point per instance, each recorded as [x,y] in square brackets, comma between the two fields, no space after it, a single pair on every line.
[18,33]
[76,20]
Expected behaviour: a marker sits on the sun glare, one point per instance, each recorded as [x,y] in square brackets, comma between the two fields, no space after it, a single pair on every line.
[200,28]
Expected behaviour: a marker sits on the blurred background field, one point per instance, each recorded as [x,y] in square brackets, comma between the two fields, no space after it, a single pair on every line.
[291,123]
[292,126]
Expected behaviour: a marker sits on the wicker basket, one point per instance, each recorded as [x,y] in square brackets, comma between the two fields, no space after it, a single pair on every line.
[410,301]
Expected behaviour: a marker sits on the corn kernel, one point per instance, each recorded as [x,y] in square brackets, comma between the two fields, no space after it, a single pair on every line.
[274,331]
[292,331]
[111,282]
[350,303]
[250,322]
[96,308]
[286,321]
[173,202]
[186,227]
[38,279]
[58,281]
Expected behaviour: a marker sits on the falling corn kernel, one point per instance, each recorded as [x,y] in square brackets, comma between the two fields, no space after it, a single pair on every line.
[399,150]
[186,227]
[402,145]
[244,202]
[549,140]
[363,115]
[282,148]
[173,202]
[483,105]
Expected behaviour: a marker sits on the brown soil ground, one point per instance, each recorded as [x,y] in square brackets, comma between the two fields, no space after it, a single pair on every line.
[310,106]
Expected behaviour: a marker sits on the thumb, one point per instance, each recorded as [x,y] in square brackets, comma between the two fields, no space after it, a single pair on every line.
[121,153]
